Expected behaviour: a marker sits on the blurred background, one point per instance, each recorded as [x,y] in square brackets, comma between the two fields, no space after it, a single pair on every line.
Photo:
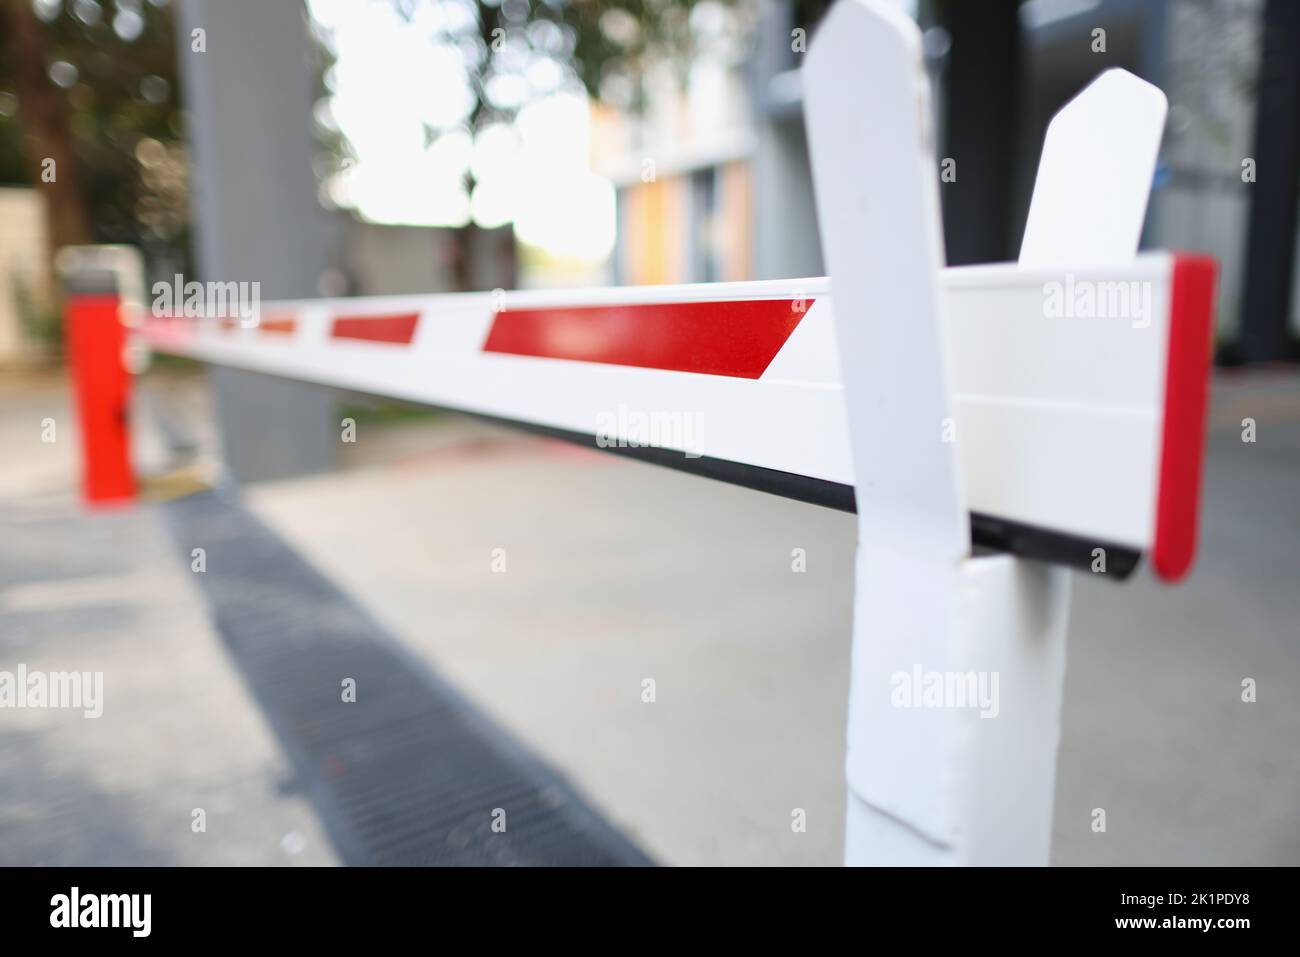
[365,147]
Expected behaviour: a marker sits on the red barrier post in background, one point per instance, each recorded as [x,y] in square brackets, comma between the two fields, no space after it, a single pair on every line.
[96,341]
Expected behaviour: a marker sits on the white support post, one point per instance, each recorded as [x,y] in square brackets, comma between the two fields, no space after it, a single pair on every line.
[958,661]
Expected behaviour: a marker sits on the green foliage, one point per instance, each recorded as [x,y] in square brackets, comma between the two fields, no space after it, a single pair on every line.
[617,43]
[125,118]
[40,319]
[608,45]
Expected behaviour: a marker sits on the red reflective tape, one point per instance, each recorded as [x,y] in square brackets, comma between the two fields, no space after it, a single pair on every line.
[737,338]
[279,325]
[1191,312]
[394,328]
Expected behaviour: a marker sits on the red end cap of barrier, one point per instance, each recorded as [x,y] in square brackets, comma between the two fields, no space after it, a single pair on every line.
[1187,374]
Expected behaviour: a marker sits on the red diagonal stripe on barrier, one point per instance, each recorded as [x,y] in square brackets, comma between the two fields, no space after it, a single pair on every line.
[399,328]
[738,338]
[279,325]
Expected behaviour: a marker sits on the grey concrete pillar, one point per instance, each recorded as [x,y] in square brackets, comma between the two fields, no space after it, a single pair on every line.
[249,88]
[786,244]
[1271,235]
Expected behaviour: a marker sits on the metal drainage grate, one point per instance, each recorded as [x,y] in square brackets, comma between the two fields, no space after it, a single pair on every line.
[410,773]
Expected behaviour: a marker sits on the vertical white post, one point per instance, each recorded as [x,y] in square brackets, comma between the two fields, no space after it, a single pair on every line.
[958,662]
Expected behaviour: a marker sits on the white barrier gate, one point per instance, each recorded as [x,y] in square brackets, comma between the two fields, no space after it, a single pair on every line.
[1051,409]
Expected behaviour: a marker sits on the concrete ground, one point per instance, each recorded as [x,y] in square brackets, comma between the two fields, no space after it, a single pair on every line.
[1156,731]
[179,733]
[611,574]
[617,572]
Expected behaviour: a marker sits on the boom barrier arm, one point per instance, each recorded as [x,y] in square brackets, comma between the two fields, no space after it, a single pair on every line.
[1059,450]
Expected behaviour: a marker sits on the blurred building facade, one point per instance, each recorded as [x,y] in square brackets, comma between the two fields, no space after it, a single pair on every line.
[379,259]
[1205,55]
[713,179]
[712,176]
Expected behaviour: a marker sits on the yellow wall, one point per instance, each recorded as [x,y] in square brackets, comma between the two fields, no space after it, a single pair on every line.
[653,232]
[655,224]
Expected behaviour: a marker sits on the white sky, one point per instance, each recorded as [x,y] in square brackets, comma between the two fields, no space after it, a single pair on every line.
[392,77]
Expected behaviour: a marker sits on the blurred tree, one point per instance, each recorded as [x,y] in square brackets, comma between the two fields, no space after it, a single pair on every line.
[611,45]
[617,45]
[514,52]
[91,86]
